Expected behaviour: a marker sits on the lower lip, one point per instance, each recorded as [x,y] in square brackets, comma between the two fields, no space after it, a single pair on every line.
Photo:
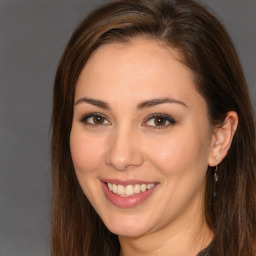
[127,202]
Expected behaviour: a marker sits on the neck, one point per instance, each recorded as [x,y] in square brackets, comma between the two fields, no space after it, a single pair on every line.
[186,236]
[172,243]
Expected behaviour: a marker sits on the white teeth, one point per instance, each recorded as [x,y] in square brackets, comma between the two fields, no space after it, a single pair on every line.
[137,189]
[129,190]
[149,186]
[120,189]
[143,187]
[110,187]
[114,188]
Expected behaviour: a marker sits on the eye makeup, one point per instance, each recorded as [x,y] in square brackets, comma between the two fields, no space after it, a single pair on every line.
[94,120]
[153,121]
[159,121]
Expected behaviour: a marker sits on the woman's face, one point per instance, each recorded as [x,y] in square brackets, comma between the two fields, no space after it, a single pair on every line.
[140,138]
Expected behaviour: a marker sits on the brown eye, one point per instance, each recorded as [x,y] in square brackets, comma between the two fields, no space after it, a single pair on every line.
[159,121]
[98,120]
[94,119]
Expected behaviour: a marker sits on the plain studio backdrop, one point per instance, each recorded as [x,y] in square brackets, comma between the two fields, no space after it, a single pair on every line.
[33,36]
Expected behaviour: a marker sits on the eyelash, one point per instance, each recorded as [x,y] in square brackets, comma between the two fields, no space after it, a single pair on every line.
[85,118]
[162,116]
[165,118]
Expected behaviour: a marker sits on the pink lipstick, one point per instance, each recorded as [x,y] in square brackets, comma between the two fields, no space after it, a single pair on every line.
[127,194]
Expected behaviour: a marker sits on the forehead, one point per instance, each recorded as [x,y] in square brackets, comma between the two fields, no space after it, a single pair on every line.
[138,69]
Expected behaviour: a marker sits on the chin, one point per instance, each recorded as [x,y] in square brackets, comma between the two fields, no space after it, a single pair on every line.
[127,227]
[127,232]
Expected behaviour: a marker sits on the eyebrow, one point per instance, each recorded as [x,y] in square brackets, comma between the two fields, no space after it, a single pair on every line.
[142,105]
[97,103]
[154,102]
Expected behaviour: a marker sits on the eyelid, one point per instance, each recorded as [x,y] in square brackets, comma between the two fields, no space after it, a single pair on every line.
[84,118]
[170,119]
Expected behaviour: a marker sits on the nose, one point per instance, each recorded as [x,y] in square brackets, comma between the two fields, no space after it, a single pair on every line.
[124,151]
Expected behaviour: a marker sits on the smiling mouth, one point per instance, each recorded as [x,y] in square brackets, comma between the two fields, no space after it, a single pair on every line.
[129,190]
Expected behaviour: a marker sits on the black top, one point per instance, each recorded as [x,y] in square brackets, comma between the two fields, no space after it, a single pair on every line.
[207,251]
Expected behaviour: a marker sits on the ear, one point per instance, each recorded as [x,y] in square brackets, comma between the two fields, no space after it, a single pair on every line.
[222,138]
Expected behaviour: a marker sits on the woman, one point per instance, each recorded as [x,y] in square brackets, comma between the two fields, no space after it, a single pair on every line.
[153,143]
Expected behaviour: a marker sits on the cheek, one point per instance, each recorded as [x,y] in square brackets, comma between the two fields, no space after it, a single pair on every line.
[179,153]
[86,151]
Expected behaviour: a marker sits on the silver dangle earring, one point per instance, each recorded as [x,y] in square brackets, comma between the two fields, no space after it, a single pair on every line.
[216,178]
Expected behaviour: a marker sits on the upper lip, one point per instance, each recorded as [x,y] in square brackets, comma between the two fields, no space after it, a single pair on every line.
[127,182]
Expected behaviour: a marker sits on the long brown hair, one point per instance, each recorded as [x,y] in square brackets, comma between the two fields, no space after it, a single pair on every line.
[207,50]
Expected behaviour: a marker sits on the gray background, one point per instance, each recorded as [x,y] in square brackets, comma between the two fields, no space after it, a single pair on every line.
[33,36]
